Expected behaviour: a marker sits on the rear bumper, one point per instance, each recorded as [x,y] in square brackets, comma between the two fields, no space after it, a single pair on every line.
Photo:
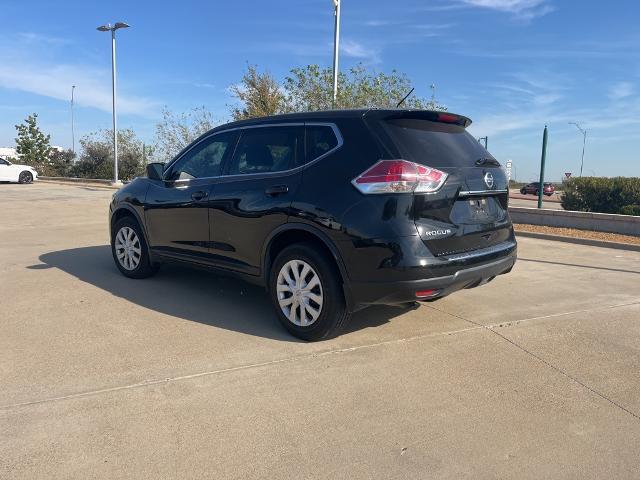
[471,272]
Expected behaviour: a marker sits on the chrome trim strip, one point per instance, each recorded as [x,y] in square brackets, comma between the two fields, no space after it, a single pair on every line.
[481,252]
[333,127]
[471,193]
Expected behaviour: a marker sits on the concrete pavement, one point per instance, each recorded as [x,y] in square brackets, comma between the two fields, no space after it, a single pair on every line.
[187,374]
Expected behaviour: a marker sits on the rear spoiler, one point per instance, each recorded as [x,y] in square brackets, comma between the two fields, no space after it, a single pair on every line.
[431,115]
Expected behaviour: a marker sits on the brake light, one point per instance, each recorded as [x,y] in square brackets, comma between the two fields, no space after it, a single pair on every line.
[399,176]
[427,293]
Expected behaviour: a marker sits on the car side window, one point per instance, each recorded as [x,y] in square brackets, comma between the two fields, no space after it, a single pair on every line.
[267,149]
[3,162]
[319,140]
[205,159]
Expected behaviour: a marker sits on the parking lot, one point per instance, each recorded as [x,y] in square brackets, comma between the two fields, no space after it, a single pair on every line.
[189,375]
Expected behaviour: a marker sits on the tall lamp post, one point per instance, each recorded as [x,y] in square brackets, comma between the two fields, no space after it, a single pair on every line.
[336,45]
[112,28]
[73,136]
[584,141]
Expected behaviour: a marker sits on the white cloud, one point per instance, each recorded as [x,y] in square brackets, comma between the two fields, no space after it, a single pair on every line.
[351,48]
[523,9]
[621,90]
[27,66]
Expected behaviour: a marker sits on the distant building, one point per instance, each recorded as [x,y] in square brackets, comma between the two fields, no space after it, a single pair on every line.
[8,152]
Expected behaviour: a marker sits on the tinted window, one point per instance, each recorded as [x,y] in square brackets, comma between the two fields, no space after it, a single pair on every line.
[205,159]
[266,149]
[320,139]
[434,143]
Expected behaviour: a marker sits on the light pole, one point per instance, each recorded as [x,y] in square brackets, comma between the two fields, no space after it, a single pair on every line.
[584,141]
[336,46]
[112,28]
[73,136]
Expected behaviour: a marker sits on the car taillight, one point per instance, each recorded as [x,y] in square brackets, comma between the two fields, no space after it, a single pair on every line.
[399,176]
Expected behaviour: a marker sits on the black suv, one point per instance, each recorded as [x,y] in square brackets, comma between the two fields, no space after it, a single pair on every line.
[330,211]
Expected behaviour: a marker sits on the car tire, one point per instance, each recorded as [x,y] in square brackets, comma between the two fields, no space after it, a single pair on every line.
[523,191]
[537,193]
[310,304]
[25,177]
[129,249]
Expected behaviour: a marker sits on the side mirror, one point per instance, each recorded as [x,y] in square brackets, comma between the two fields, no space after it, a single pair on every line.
[155,170]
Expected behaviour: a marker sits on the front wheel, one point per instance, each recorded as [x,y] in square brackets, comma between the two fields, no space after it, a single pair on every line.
[129,250]
[25,177]
[523,191]
[306,291]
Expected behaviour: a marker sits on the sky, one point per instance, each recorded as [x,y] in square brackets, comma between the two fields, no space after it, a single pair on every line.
[512,66]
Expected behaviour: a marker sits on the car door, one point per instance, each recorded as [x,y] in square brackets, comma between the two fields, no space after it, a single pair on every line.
[177,207]
[254,195]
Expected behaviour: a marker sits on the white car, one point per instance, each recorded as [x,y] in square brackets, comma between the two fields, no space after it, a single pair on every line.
[11,172]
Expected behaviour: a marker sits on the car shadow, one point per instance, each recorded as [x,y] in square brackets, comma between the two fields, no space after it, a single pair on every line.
[193,294]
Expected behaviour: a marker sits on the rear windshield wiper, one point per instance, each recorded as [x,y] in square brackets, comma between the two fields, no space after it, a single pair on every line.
[487,161]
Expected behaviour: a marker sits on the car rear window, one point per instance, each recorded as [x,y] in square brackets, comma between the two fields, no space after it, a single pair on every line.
[434,143]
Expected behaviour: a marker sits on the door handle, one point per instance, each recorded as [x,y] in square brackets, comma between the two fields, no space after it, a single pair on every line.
[201,195]
[276,190]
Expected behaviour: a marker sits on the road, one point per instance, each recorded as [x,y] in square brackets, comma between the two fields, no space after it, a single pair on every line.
[516,199]
[189,375]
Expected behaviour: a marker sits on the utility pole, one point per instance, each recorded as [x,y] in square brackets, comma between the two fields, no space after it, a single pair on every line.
[73,135]
[542,161]
[486,142]
[336,47]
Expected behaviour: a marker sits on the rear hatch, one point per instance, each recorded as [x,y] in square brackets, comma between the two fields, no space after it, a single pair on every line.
[469,211]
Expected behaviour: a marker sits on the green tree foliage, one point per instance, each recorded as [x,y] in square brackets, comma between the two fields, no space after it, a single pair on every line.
[604,195]
[32,145]
[96,160]
[59,164]
[259,95]
[310,88]
[175,131]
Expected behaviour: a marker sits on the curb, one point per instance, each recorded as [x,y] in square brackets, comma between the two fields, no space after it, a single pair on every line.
[78,184]
[581,241]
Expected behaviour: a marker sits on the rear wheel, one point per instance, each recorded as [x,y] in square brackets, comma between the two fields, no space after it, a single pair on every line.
[129,250]
[537,193]
[25,177]
[306,292]
[523,191]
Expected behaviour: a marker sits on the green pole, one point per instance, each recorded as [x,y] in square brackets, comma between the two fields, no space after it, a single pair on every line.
[542,160]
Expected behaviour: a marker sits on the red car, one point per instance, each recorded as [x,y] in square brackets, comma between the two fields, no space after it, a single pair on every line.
[534,189]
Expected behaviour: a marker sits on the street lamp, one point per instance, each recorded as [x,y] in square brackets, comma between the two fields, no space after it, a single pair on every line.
[336,42]
[112,28]
[73,136]
[584,141]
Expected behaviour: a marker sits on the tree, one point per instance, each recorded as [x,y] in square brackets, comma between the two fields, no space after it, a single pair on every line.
[32,145]
[259,94]
[96,160]
[59,163]
[175,132]
[310,88]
